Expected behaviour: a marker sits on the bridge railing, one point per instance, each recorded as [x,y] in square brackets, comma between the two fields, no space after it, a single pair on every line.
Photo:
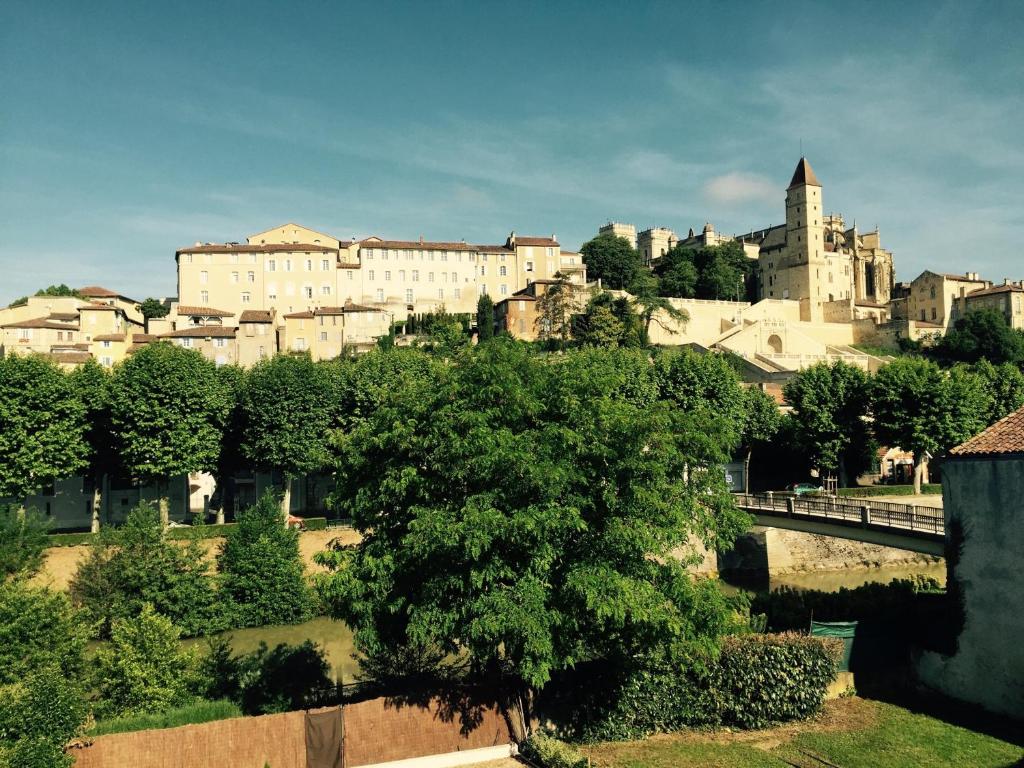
[884,514]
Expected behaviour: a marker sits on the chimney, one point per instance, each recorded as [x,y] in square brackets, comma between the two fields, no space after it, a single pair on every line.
[421,239]
[1006,281]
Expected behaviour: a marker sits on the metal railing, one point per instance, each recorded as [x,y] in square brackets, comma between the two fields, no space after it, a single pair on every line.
[876,514]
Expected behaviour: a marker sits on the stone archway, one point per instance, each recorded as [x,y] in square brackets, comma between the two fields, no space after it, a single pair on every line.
[775,343]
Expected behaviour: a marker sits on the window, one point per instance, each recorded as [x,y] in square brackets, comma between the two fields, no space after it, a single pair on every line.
[551,252]
[504,289]
[933,313]
[323,335]
[440,293]
[933,292]
[350,274]
[271,265]
[220,342]
[387,274]
[234,258]
[325,290]
[483,289]
[458,293]
[204,277]
[415,275]
[234,277]
[401,275]
[204,297]
[408,255]
[107,361]
[308,292]
[272,291]
[300,344]
[368,274]
[287,265]
[380,294]
[325,265]
[246,297]
[922,315]
[186,342]
[503,270]
[309,265]
[368,254]
[522,306]
[444,255]
[529,266]
[430,277]
[251,277]
[455,277]
[408,295]
[252,258]
[106,345]
[483,270]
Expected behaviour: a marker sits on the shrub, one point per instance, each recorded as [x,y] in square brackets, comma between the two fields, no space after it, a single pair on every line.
[889,490]
[316,523]
[38,717]
[144,669]
[189,714]
[138,564]
[38,627]
[22,540]
[767,679]
[262,571]
[548,752]
[70,539]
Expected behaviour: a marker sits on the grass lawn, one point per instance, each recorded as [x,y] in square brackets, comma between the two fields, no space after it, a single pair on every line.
[851,733]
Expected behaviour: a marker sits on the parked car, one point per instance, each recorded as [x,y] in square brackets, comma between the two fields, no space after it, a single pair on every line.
[800,489]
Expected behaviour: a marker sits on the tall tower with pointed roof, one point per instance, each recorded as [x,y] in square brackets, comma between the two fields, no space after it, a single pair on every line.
[804,221]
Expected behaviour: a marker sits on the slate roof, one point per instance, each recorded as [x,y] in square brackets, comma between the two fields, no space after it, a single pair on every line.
[1004,437]
[804,174]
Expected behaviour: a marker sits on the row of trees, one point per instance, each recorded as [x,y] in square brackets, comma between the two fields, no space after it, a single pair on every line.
[707,272]
[840,413]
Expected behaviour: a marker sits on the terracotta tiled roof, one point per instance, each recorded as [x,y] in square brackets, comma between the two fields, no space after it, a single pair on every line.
[41,322]
[866,303]
[346,265]
[69,357]
[65,316]
[307,315]
[203,312]
[201,332]
[804,174]
[494,249]
[109,337]
[417,245]
[340,310]
[1005,436]
[995,289]
[98,291]
[545,241]
[267,248]
[256,316]
[98,306]
[961,278]
[143,338]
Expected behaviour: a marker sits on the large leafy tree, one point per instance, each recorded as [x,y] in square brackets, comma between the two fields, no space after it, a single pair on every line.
[651,307]
[705,384]
[230,461]
[1004,385]
[484,317]
[42,426]
[554,311]
[92,384]
[38,628]
[980,335]
[288,412]
[761,424]
[167,411]
[136,564]
[724,272]
[612,260]
[262,572]
[523,511]
[22,540]
[829,404]
[153,308]
[677,274]
[599,326]
[923,409]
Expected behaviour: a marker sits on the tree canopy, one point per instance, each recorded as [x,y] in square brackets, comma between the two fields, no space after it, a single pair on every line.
[153,308]
[612,260]
[522,511]
[43,434]
[981,334]
[484,317]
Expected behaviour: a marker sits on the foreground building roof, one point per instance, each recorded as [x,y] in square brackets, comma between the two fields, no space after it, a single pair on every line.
[1006,436]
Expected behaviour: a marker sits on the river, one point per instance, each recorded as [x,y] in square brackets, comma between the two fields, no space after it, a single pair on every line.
[832,581]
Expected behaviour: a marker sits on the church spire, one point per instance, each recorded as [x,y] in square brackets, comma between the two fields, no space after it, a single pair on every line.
[803,174]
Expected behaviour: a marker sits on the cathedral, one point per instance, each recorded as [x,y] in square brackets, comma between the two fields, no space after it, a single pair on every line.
[815,259]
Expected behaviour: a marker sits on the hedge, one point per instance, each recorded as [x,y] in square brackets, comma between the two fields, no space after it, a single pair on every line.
[890,490]
[548,752]
[755,681]
[316,523]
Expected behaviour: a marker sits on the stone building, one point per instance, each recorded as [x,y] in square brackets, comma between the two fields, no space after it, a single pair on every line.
[618,229]
[654,243]
[1006,299]
[933,295]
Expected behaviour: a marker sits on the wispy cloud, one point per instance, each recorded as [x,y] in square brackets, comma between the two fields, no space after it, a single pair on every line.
[731,188]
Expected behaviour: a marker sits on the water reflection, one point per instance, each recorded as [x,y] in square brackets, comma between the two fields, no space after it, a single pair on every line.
[832,581]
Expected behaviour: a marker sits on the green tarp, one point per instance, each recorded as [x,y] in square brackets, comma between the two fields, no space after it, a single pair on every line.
[844,630]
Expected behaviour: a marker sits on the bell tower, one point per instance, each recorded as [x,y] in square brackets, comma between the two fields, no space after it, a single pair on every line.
[804,221]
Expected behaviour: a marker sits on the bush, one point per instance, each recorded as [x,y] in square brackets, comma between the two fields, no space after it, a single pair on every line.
[548,752]
[316,523]
[889,490]
[190,714]
[144,669]
[755,680]
[38,627]
[70,539]
[768,679]
[38,717]
[262,571]
[22,540]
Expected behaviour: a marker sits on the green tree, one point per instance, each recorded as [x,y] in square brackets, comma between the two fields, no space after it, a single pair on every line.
[1005,386]
[923,409]
[554,311]
[38,628]
[522,512]
[42,438]
[761,425]
[829,404]
[22,541]
[153,308]
[91,382]
[230,460]
[135,565]
[612,260]
[485,317]
[677,274]
[144,668]
[287,413]
[262,572]
[724,272]
[59,290]
[981,334]
[599,326]
[167,409]
[707,385]
[650,307]
[39,715]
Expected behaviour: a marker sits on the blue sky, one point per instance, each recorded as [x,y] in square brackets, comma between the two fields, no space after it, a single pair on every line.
[129,130]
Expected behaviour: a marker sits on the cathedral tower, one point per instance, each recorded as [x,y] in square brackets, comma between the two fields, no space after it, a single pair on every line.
[804,225]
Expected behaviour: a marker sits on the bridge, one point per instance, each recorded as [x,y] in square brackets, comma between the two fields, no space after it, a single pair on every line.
[903,526]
